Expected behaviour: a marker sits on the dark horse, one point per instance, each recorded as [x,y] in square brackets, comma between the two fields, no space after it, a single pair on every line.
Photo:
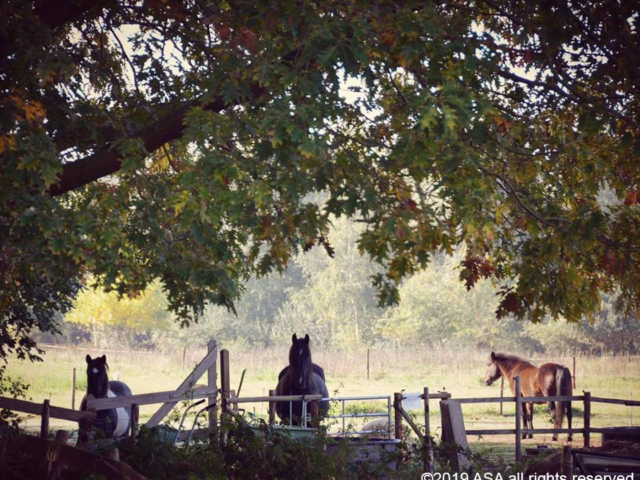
[301,377]
[548,380]
[113,422]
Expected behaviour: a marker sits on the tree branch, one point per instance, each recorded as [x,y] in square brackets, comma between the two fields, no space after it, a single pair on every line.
[108,161]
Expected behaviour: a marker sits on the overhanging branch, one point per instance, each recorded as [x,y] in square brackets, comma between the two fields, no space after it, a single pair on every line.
[108,161]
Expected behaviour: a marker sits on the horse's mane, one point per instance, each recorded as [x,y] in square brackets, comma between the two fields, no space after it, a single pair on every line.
[506,357]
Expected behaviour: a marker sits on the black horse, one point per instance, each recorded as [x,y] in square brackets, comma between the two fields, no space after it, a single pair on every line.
[301,377]
[115,422]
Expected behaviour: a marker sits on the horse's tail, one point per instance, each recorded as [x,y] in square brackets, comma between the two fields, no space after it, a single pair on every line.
[563,388]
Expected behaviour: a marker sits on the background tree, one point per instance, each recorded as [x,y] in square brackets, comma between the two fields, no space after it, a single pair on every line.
[178,142]
[114,321]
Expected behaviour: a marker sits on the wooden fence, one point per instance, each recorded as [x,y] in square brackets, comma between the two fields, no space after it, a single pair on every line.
[518,431]
[169,399]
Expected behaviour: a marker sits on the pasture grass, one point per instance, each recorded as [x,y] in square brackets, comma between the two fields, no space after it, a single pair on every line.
[391,370]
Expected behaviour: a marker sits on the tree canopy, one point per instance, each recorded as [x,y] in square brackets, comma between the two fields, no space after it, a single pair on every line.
[180,141]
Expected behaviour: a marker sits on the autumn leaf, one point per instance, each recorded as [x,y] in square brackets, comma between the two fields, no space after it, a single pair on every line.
[510,304]
[248,39]
[474,268]
[631,198]
[34,112]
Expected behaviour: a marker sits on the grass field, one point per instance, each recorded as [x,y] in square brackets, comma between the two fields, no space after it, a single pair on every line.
[391,370]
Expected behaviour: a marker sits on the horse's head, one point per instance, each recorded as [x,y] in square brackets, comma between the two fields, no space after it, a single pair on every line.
[97,378]
[493,372]
[300,360]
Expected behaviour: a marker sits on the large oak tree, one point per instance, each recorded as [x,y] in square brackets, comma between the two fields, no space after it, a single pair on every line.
[178,141]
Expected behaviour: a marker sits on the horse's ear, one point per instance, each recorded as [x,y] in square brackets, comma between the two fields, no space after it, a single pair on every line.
[294,338]
[103,359]
[306,339]
[88,358]
[493,356]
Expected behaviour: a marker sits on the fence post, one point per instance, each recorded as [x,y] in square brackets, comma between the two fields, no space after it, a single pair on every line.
[367,364]
[44,425]
[73,390]
[225,389]
[135,415]
[212,381]
[518,421]
[566,465]
[574,372]
[428,454]
[501,393]
[272,408]
[397,404]
[587,419]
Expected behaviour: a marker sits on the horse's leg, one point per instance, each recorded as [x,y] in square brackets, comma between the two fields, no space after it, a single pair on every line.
[525,417]
[559,418]
[531,419]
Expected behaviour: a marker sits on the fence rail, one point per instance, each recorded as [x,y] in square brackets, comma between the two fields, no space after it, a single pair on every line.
[518,431]
[150,398]
[32,408]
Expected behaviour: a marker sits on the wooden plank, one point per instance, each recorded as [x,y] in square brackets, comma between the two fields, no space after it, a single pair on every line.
[397,405]
[411,423]
[566,466]
[44,423]
[135,415]
[552,430]
[560,398]
[486,431]
[225,379]
[275,398]
[438,396]
[428,453]
[148,398]
[36,409]
[225,389]
[486,400]
[587,419]
[191,380]
[458,432]
[512,431]
[564,398]
[616,401]
[272,408]
[212,383]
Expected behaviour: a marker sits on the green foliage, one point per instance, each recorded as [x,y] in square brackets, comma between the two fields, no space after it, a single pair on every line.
[179,143]
[332,299]
[247,454]
[11,388]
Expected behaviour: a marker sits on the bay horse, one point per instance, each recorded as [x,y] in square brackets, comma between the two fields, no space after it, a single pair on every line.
[300,377]
[548,380]
[114,422]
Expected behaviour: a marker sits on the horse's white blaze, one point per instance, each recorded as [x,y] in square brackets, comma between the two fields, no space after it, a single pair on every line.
[123,418]
[95,370]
